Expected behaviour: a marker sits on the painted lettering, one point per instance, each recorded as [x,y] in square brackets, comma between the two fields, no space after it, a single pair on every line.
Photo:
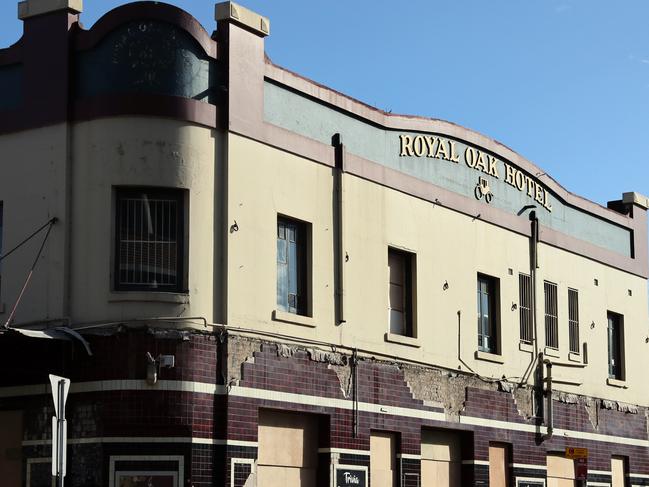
[470,156]
[540,193]
[441,150]
[406,145]
[430,145]
[509,175]
[520,180]
[419,145]
[455,157]
[493,169]
[546,200]
[445,149]
[482,162]
[530,186]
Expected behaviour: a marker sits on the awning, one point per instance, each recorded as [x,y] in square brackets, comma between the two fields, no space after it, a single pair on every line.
[58,333]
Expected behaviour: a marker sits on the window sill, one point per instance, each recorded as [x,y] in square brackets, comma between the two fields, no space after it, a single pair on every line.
[489,357]
[147,297]
[402,340]
[293,318]
[574,357]
[551,352]
[526,347]
[617,383]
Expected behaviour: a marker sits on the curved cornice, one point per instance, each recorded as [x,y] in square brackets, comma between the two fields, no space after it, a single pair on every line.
[412,123]
[86,39]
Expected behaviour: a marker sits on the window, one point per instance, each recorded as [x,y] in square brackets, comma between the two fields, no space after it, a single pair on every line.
[401,297]
[551,315]
[292,292]
[487,314]
[525,307]
[573,320]
[615,346]
[149,250]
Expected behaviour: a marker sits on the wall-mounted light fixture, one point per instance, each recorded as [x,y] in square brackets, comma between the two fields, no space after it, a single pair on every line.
[592,325]
[445,286]
[514,306]
[153,366]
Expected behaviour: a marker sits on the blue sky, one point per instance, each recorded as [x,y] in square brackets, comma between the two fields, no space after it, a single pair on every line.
[563,82]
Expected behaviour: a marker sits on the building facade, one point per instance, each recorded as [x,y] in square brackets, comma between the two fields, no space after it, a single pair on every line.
[254,280]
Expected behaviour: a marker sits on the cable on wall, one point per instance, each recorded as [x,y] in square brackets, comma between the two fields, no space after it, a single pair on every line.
[49,226]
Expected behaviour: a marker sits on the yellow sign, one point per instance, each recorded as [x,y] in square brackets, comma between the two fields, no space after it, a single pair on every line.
[447,150]
[576,452]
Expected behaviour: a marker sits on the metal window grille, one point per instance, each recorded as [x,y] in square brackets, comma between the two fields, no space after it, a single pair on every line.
[525,307]
[551,315]
[149,234]
[486,307]
[573,320]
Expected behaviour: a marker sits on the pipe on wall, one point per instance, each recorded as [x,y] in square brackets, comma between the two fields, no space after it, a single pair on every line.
[339,225]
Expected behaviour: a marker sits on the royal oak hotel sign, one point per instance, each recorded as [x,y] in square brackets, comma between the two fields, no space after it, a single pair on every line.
[444,149]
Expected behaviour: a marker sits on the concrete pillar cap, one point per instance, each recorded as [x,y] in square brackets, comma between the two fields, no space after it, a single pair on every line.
[636,199]
[230,11]
[31,8]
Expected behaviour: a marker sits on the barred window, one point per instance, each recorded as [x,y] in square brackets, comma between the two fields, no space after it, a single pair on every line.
[525,307]
[551,315]
[150,236]
[573,319]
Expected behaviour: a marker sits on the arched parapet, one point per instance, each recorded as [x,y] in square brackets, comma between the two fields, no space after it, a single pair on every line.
[146,58]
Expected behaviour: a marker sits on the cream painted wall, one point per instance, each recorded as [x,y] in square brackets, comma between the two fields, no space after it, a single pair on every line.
[263,183]
[450,247]
[33,191]
[147,152]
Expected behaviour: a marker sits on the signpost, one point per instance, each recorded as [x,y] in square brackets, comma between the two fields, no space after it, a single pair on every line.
[60,389]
